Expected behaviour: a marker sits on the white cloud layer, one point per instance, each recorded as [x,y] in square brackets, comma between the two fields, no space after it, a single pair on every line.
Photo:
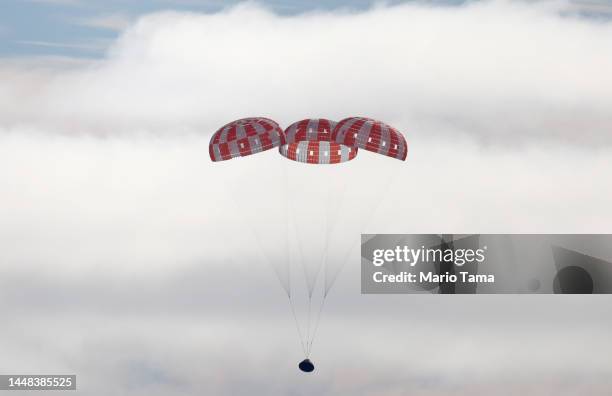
[129,255]
[118,240]
[498,71]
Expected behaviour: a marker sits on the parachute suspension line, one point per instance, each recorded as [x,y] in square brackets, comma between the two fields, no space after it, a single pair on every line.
[308,327]
[335,274]
[286,233]
[297,326]
[330,223]
[332,210]
[369,214]
[285,285]
[334,215]
[331,217]
[289,294]
[316,327]
[298,235]
[299,243]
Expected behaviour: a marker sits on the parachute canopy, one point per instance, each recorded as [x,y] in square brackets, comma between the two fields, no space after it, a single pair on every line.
[310,129]
[310,141]
[318,152]
[371,135]
[245,137]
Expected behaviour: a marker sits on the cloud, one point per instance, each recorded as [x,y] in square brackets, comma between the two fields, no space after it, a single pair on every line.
[595,8]
[499,72]
[116,22]
[80,46]
[120,239]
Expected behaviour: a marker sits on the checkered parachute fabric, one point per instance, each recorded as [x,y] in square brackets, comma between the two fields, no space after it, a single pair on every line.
[371,135]
[309,141]
[310,129]
[245,137]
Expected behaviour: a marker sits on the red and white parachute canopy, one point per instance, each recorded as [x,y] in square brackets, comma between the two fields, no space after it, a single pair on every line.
[310,141]
[245,137]
[371,135]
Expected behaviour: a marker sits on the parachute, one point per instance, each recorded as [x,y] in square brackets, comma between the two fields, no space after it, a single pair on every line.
[314,206]
[244,137]
[371,135]
[310,141]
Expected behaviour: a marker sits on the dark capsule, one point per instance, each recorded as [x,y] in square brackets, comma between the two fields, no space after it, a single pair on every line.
[306,366]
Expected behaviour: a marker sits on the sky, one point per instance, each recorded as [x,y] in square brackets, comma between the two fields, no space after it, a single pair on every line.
[86,28]
[125,261]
